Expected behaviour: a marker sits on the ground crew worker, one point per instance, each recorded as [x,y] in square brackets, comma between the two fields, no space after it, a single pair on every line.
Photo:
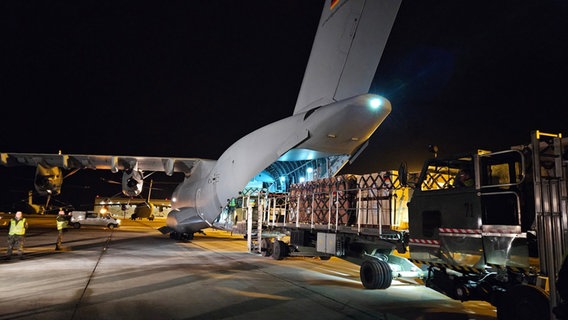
[463,179]
[62,223]
[232,207]
[16,235]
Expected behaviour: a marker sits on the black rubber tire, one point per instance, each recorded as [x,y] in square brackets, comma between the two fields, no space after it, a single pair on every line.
[186,236]
[266,247]
[375,274]
[279,250]
[524,302]
[76,225]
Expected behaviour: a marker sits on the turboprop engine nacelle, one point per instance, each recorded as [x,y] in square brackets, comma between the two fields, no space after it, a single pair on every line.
[132,181]
[48,180]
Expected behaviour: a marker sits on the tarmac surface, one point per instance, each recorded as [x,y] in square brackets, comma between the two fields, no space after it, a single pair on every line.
[135,272]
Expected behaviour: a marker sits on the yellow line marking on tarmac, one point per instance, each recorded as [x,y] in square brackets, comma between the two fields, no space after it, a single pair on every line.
[258,295]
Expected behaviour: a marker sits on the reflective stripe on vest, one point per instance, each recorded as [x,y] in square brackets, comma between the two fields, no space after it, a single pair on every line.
[17,228]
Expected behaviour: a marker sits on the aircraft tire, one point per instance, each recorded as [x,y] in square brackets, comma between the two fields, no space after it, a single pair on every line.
[375,274]
[279,250]
[186,236]
[524,302]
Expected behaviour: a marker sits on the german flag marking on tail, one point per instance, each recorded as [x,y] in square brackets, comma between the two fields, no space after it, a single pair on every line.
[332,4]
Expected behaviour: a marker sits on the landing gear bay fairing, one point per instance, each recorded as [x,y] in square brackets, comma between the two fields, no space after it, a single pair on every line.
[333,119]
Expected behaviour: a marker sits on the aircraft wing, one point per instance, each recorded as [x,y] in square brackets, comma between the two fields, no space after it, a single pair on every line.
[106,162]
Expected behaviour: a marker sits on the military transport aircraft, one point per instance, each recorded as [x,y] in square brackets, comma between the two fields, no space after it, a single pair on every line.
[332,121]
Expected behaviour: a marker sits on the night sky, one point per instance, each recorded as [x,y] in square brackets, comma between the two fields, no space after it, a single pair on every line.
[189,78]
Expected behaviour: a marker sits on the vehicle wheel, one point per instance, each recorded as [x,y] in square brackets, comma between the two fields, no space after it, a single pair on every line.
[375,274]
[524,302]
[111,226]
[76,225]
[151,218]
[266,247]
[279,250]
[325,257]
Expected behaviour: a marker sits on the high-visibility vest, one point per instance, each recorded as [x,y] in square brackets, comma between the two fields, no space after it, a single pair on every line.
[61,224]
[17,227]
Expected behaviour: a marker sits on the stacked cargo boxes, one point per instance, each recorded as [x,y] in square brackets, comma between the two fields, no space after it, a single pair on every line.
[383,200]
[324,201]
[374,202]
[370,200]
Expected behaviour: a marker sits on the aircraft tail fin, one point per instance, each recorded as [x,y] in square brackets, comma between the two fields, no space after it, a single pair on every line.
[348,45]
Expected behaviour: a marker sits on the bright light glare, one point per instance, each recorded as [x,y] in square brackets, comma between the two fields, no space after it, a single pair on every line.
[310,170]
[302,179]
[375,103]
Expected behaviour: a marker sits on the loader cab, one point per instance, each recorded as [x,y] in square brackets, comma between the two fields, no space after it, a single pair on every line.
[495,193]
[449,222]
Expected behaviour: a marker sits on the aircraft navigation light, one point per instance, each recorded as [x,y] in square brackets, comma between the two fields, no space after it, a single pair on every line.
[375,103]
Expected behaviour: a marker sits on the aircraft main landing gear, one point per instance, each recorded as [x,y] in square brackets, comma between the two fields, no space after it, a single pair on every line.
[185,236]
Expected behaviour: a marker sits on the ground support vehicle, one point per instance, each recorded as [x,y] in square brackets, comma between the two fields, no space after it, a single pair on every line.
[90,218]
[359,218]
[502,239]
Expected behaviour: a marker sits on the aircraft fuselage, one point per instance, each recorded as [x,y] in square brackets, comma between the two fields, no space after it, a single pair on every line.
[338,128]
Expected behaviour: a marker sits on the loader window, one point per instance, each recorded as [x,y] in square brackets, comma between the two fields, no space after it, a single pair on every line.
[440,174]
[498,174]
[439,177]
[500,209]
[501,170]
